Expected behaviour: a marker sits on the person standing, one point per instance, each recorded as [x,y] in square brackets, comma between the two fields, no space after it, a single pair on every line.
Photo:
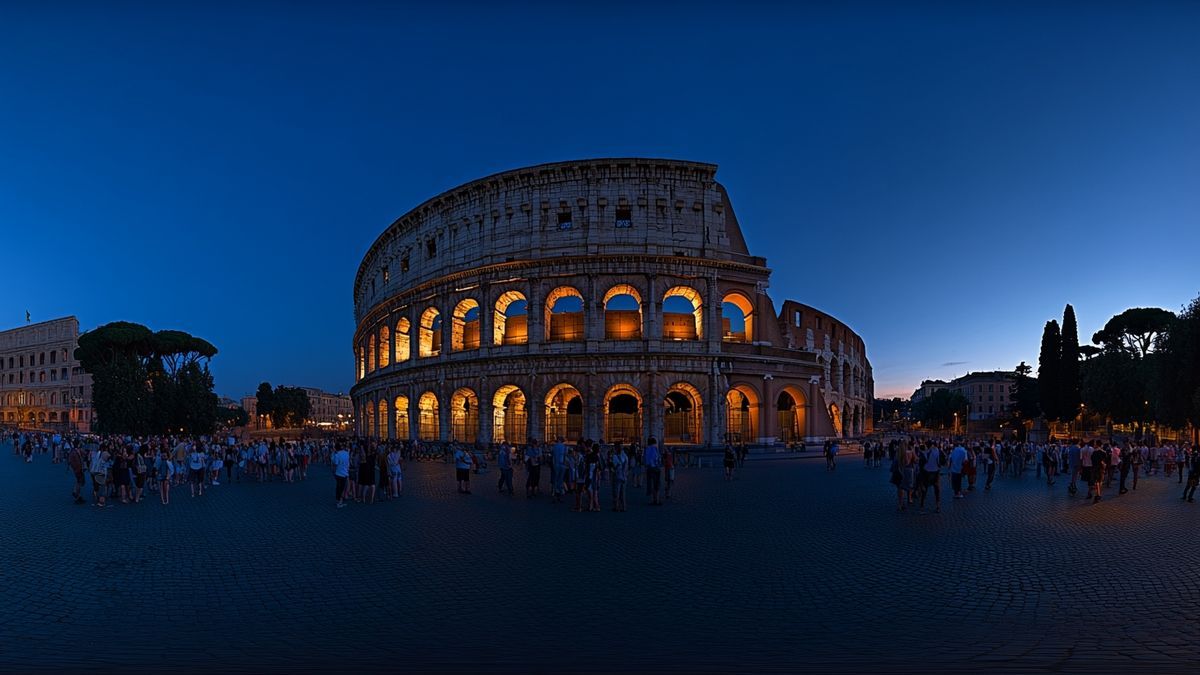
[341,472]
[98,467]
[653,461]
[368,469]
[958,459]
[620,471]
[75,460]
[558,466]
[1099,466]
[462,470]
[1189,490]
[668,462]
[931,474]
[164,470]
[504,462]
[533,469]
[196,465]
[730,461]
[1073,467]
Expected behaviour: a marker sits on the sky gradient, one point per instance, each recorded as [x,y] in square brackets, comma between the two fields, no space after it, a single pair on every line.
[941,178]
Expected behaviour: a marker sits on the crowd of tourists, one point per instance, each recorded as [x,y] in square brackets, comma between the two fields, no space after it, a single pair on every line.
[917,466]
[123,469]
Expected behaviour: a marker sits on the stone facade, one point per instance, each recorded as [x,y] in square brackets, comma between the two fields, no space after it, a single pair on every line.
[610,299]
[42,386]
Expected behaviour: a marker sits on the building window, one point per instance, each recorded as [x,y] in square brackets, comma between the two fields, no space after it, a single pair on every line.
[64,374]
[386,275]
[404,264]
[52,357]
[796,317]
[430,247]
[624,218]
[42,362]
[564,221]
[54,375]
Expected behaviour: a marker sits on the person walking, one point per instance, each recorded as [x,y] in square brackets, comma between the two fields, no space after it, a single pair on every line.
[1099,468]
[730,461]
[504,463]
[533,469]
[668,462]
[196,465]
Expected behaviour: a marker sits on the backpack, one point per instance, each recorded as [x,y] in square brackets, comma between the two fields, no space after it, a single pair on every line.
[141,463]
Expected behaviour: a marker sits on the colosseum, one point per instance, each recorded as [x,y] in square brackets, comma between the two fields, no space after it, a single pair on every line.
[608,299]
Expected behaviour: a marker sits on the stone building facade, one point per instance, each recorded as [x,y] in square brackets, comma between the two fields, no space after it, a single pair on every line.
[610,299]
[42,386]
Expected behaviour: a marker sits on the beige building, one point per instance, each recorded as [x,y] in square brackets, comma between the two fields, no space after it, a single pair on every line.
[610,299]
[988,393]
[42,386]
[328,410]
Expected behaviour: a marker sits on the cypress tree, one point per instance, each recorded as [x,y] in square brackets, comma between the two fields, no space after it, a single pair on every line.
[1048,362]
[1068,373]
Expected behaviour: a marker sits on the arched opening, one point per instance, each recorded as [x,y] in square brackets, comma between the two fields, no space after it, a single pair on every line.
[370,356]
[741,416]
[383,419]
[789,407]
[835,416]
[564,315]
[564,413]
[53,416]
[622,313]
[360,359]
[370,408]
[683,316]
[385,347]
[510,323]
[464,416]
[400,405]
[509,421]
[737,318]
[683,415]
[431,332]
[428,427]
[464,326]
[403,340]
[622,414]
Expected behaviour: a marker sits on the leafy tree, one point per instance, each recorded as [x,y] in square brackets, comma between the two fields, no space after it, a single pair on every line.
[938,409]
[1069,397]
[266,399]
[1048,371]
[290,407]
[1177,382]
[1135,329]
[1025,393]
[145,382]
[232,417]
[1088,351]
[1115,384]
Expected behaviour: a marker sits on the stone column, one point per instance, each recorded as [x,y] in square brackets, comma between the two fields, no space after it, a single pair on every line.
[486,414]
[391,412]
[535,409]
[652,407]
[534,310]
[652,312]
[593,317]
[487,319]
[814,383]
[391,323]
[712,315]
[593,409]
[767,420]
[714,411]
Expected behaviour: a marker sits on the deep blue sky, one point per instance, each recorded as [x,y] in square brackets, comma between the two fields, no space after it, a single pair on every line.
[943,178]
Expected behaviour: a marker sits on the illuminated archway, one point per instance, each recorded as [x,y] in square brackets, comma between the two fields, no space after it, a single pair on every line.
[385,347]
[737,318]
[564,315]
[622,414]
[383,419]
[464,326]
[370,355]
[622,313]
[403,340]
[564,413]
[464,416]
[361,361]
[510,320]
[430,332]
[509,419]
[683,415]
[835,416]
[741,414]
[428,425]
[683,314]
[400,405]
[369,407]
[790,414]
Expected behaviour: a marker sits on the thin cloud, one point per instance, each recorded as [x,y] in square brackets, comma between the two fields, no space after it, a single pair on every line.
[955,363]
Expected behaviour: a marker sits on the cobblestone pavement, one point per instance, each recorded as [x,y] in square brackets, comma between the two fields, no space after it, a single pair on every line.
[789,568]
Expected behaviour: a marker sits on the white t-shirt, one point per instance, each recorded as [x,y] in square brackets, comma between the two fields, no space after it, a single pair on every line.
[341,463]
